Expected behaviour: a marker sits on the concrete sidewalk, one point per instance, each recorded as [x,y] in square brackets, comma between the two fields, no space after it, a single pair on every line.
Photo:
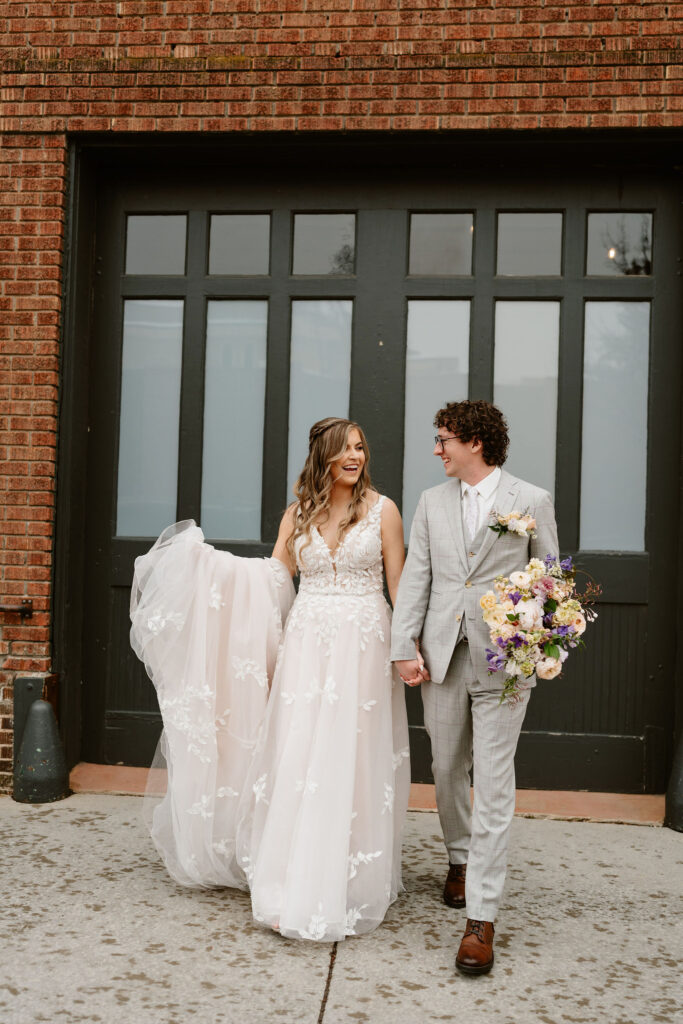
[93,930]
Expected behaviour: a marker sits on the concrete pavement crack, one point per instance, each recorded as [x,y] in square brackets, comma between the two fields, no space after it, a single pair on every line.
[333,957]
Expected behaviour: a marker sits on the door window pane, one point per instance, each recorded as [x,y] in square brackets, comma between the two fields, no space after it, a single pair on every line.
[619,244]
[155,243]
[614,441]
[234,399]
[320,372]
[525,386]
[150,409]
[324,243]
[239,243]
[440,243]
[529,244]
[437,366]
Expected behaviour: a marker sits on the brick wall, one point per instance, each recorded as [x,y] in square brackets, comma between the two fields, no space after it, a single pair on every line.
[255,65]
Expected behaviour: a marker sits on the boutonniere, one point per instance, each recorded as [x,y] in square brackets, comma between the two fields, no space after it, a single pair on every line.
[520,523]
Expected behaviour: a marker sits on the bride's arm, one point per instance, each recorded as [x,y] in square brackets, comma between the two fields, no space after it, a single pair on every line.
[280,551]
[393,550]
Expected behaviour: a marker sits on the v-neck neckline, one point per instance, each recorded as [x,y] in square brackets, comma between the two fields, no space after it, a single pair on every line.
[342,542]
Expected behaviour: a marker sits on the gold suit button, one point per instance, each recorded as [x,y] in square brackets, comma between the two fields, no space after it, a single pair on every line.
[468,584]
[457,618]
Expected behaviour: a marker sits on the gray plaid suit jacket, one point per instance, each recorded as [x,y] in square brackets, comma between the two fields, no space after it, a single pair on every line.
[441,584]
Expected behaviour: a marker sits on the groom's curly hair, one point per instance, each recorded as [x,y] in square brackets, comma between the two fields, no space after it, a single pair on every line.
[477,421]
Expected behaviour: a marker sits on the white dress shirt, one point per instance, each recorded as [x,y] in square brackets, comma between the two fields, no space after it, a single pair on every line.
[483,493]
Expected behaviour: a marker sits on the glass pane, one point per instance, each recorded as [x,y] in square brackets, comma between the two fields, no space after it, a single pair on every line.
[324,243]
[614,442]
[619,243]
[320,372]
[155,244]
[525,386]
[240,243]
[150,410]
[437,367]
[529,244]
[440,243]
[234,400]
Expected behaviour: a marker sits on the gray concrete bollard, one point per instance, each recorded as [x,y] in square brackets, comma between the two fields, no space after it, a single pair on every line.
[40,773]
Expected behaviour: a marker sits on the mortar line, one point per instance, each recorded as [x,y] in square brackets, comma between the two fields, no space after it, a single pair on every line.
[333,957]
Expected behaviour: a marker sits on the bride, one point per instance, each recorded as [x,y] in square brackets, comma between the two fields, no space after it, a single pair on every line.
[299,796]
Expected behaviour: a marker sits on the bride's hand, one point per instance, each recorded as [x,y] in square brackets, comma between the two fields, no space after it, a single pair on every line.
[410,672]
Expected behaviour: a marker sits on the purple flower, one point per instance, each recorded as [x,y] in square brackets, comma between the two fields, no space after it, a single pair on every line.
[517,640]
[567,564]
[495,661]
[549,561]
[548,620]
[515,596]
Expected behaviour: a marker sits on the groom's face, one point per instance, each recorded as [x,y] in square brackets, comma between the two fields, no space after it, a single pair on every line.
[456,455]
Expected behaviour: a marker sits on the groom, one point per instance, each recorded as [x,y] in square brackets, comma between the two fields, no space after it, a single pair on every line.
[439,640]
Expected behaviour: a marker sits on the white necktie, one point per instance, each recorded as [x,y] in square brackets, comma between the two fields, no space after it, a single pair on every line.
[471,512]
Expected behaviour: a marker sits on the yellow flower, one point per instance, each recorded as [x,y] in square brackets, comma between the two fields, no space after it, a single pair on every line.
[488,600]
[495,617]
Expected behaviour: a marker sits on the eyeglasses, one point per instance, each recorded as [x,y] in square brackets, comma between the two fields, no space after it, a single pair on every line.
[441,441]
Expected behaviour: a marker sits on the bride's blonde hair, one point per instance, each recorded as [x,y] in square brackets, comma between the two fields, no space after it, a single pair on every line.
[327,441]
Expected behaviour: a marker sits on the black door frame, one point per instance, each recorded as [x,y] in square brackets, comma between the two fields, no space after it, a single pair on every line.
[653,152]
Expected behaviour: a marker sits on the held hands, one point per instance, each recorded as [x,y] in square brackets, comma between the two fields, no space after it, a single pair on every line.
[414,671]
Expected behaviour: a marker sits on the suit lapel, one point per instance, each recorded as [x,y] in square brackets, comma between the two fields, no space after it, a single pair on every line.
[504,501]
[454,514]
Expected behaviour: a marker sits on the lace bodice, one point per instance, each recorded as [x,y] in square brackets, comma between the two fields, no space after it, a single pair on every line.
[354,568]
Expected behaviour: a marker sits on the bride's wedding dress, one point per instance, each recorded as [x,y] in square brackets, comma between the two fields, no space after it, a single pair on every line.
[300,797]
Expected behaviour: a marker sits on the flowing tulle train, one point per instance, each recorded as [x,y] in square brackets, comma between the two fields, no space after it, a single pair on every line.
[207,626]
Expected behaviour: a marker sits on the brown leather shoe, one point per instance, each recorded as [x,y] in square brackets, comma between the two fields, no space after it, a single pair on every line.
[475,955]
[454,889]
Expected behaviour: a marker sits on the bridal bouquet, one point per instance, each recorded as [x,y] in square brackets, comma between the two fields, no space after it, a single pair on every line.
[534,618]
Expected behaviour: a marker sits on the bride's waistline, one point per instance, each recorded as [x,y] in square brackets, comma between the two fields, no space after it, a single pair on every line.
[308,591]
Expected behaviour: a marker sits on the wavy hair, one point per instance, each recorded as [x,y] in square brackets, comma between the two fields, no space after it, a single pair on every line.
[327,441]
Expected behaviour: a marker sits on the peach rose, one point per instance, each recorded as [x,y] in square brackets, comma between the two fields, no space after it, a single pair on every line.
[548,668]
[488,601]
[578,624]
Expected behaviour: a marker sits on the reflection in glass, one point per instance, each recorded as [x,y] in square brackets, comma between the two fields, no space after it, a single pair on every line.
[525,386]
[437,367]
[440,243]
[150,410]
[614,441]
[320,372]
[155,243]
[234,399]
[529,244]
[324,243]
[619,243]
[239,243]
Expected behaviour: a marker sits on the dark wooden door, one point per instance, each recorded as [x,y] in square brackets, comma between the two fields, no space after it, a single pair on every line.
[303,293]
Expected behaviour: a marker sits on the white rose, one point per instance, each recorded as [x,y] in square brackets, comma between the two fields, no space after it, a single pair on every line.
[530,614]
[520,579]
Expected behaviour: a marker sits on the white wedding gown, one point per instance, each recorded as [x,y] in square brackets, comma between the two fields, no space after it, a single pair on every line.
[300,797]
